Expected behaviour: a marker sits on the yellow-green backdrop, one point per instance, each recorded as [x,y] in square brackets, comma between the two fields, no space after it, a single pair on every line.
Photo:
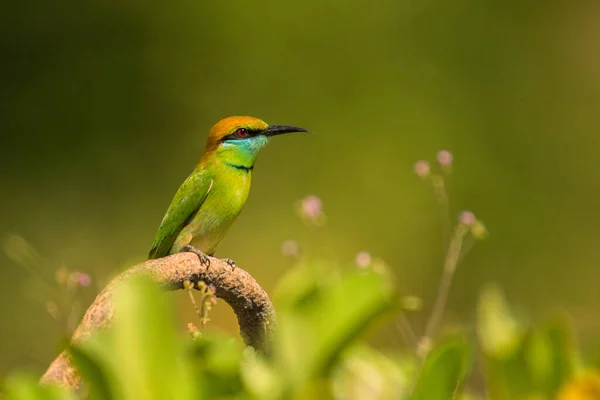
[105,107]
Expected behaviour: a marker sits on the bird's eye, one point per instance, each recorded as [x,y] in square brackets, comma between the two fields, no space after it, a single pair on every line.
[242,132]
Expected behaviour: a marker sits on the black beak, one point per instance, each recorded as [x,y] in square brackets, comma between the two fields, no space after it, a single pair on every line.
[281,129]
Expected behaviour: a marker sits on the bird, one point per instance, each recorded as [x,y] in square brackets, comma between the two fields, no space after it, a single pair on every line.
[210,199]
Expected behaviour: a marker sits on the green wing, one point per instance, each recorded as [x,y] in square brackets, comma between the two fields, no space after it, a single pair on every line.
[188,199]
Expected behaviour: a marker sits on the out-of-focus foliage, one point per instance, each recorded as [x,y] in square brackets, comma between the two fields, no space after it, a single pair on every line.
[105,108]
[443,371]
[60,296]
[319,352]
[523,362]
[28,388]
[141,356]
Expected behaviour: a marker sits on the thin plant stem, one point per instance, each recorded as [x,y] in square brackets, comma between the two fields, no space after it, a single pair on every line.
[406,330]
[204,307]
[450,264]
[439,189]
[452,259]
[466,248]
[199,312]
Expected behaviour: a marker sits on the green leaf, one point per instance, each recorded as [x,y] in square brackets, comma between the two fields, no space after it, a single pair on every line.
[535,370]
[522,362]
[302,286]
[498,331]
[260,378]
[322,315]
[445,367]
[551,356]
[92,373]
[141,353]
[364,373]
[146,348]
[24,387]
[502,341]
[217,365]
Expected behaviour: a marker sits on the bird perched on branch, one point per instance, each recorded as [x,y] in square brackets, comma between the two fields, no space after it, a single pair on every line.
[211,198]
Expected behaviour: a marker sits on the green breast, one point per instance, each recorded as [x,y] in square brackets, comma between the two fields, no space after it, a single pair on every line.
[223,204]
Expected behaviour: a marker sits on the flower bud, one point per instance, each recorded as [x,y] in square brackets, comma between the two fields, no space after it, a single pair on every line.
[422,169]
[363,259]
[290,248]
[479,231]
[467,218]
[444,158]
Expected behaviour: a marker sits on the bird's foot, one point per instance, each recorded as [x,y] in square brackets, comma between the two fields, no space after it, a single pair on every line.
[204,260]
[231,263]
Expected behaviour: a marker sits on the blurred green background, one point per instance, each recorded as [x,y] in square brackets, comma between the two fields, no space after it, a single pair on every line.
[105,108]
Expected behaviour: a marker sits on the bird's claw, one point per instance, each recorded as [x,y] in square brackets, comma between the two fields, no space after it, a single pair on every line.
[204,260]
[231,263]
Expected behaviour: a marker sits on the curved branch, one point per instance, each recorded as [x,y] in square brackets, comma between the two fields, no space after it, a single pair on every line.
[249,301]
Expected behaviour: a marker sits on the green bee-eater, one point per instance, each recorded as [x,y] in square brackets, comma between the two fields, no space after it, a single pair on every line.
[211,198]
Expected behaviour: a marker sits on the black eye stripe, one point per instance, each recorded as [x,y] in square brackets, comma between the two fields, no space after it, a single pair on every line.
[235,135]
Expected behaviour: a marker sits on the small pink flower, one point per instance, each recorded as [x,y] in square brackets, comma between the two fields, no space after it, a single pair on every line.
[444,158]
[311,206]
[193,330]
[467,218]
[363,259]
[213,288]
[422,169]
[81,279]
[290,248]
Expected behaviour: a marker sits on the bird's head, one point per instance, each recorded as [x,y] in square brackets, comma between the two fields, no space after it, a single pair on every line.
[239,139]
